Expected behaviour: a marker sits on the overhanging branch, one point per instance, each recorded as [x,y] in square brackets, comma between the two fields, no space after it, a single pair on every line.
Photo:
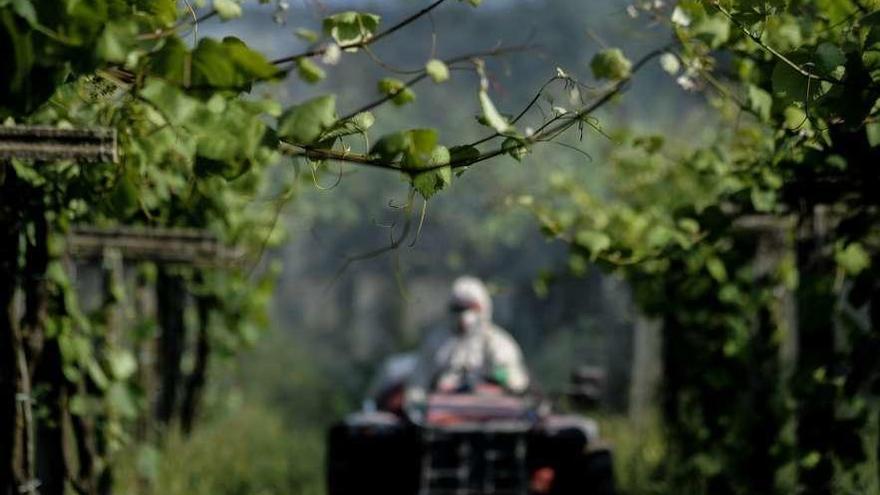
[548,132]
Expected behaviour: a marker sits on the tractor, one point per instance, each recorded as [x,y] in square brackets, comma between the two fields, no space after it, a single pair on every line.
[479,441]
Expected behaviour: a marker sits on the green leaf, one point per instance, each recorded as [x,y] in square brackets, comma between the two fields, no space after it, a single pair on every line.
[873,132]
[422,144]
[716,269]
[652,144]
[358,124]
[351,27]
[490,113]
[229,64]
[25,9]
[251,63]
[389,86]
[304,123]
[124,198]
[120,401]
[830,58]
[790,86]
[96,373]
[122,364]
[853,258]
[398,91]
[811,460]
[390,146]
[20,56]
[417,146]
[795,118]
[516,148]
[763,200]
[440,156]
[169,63]
[611,64]
[689,225]
[714,30]
[148,462]
[211,66]
[306,35]
[173,103]
[309,71]
[759,101]
[437,70]
[593,241]
[460,154]
[474,3]
[430,182]
[227,9]
[163,13]
[404,97]
[116,41]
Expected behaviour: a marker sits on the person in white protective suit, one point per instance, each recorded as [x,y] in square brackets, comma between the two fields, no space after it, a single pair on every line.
[472,352]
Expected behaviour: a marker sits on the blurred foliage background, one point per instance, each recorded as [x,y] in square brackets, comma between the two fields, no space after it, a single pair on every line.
[333,323]
[708,237]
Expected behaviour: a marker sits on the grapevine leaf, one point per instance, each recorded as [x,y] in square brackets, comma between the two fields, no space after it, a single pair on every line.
[611,64]
[304,123]
[490,113]
[227,9]
[437,70]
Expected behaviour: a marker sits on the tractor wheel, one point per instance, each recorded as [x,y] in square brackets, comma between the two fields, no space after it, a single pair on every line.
[366,460]
[599,473]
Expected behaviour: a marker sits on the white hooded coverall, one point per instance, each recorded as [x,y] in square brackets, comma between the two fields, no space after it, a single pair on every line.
[477,351]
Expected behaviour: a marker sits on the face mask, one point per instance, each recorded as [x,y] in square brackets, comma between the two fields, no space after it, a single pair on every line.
[468,322]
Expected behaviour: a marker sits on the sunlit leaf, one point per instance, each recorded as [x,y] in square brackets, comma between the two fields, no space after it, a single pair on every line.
[309,71]
[351,27]
[490,113]
[227,9]
[437,70]
[304,123]
[611,64]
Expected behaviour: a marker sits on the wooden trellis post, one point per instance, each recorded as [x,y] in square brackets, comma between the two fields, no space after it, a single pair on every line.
[41,143]
[17,431]
[164,247]
[160,245]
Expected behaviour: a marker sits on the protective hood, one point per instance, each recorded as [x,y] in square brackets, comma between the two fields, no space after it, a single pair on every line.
[470,294]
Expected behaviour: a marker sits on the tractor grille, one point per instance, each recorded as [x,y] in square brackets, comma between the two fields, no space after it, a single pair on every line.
[460,462]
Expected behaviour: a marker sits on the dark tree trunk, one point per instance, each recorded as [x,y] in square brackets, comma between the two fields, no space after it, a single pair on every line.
[45,366]
[113,280]
[84,436]
[35,285]
[144,348]
[9,338]
[815,399]
[195,384]
[171,295]
[875,330]
[51,466]
[16,452]
[766,420]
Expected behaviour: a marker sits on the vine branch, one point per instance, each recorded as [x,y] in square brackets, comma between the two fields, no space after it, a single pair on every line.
[757,40]
[364,42]
[547,132]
